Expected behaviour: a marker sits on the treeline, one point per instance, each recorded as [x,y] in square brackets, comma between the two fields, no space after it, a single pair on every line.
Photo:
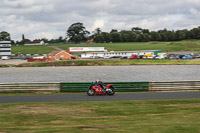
[137,34]
[77,33]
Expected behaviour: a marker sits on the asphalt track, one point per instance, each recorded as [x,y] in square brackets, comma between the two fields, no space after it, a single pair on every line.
[152,73]
[84,97]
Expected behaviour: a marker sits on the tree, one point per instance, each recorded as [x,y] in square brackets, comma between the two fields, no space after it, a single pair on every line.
[181,34]
[107,37]
[97,31]
[128,36]
[23,41]
[113,30]
[155,36]
[116,37]
[137,30]
[45,40]
[4,36]
[99,38]
[23,38]
[194,33]
[170,35]
[77,33]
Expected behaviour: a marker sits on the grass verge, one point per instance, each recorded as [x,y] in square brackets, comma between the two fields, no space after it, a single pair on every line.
[156,116]
[111,63]
[2,65]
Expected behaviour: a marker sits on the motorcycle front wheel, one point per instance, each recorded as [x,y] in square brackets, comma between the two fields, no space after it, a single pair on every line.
[111,91]
[91,92]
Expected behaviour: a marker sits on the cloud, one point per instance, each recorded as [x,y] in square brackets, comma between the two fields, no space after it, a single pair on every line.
[50,18]
[99,23]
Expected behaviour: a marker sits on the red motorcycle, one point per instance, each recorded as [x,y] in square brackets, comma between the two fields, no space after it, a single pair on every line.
[99,87]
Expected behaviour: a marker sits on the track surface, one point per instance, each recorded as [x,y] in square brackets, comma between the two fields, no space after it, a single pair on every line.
[104,73]
[84,97]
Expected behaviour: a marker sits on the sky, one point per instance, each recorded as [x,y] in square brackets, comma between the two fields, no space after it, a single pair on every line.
[50,19]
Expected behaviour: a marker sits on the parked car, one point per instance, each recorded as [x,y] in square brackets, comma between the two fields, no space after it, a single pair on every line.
[114,57]
[5,58]
[106,57]
[140,56]
[146,56]
[151,57]
[174,57]
[97,57]
[187,57]
[195,56]
[161,56]
[181,56]
[124,57]
[134,57]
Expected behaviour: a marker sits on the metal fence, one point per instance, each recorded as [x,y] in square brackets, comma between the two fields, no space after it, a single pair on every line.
[175,86]
[30,87]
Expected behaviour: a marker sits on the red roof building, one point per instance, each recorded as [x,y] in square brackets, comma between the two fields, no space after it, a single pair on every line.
[58,55]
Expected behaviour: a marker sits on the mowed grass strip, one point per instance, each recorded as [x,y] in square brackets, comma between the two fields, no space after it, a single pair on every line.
[187,45]
[31,49]
[156,116]
[115,62]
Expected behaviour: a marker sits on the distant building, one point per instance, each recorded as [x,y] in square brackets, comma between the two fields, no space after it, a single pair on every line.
[34,43]
[111,54]
[90,41]
[108,54]
[58,55]
[5,49]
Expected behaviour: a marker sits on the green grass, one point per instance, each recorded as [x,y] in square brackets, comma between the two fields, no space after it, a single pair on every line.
[116,62]
[156,116]
[31,49]
[187,45]
[3,65]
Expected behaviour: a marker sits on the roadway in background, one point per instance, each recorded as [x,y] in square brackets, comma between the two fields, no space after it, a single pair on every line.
[104,73]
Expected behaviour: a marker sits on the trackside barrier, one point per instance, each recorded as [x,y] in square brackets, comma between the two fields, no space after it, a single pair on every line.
[175,86]
[30,87]
[119,86]
[83,86]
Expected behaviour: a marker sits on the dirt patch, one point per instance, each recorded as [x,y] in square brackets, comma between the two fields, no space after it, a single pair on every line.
[99,117]
[53,110]
[12,62]
[57,122]
[95,128]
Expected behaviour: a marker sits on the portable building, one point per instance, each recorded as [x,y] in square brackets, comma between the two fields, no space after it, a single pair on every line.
[108,54]
[5,49]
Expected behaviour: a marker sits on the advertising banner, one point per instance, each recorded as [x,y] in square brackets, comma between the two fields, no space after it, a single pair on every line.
[86,49]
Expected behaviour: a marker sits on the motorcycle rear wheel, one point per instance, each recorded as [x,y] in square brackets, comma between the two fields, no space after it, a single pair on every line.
[111,92]
[91,92]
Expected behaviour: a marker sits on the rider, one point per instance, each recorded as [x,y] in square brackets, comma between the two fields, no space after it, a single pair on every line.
[98,82]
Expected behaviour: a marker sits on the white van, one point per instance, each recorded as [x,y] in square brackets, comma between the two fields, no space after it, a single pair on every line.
[161,56]
[5,58]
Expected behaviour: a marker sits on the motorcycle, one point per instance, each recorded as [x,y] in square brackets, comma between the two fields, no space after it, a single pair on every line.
[99,87]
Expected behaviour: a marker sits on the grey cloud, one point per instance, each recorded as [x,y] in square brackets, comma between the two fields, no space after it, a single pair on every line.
[52,18]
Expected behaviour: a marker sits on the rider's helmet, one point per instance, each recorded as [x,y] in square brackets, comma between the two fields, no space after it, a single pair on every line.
[97,81]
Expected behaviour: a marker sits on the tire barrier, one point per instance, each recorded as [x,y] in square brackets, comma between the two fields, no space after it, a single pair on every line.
[119,86]
[83,87]
[30,87]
